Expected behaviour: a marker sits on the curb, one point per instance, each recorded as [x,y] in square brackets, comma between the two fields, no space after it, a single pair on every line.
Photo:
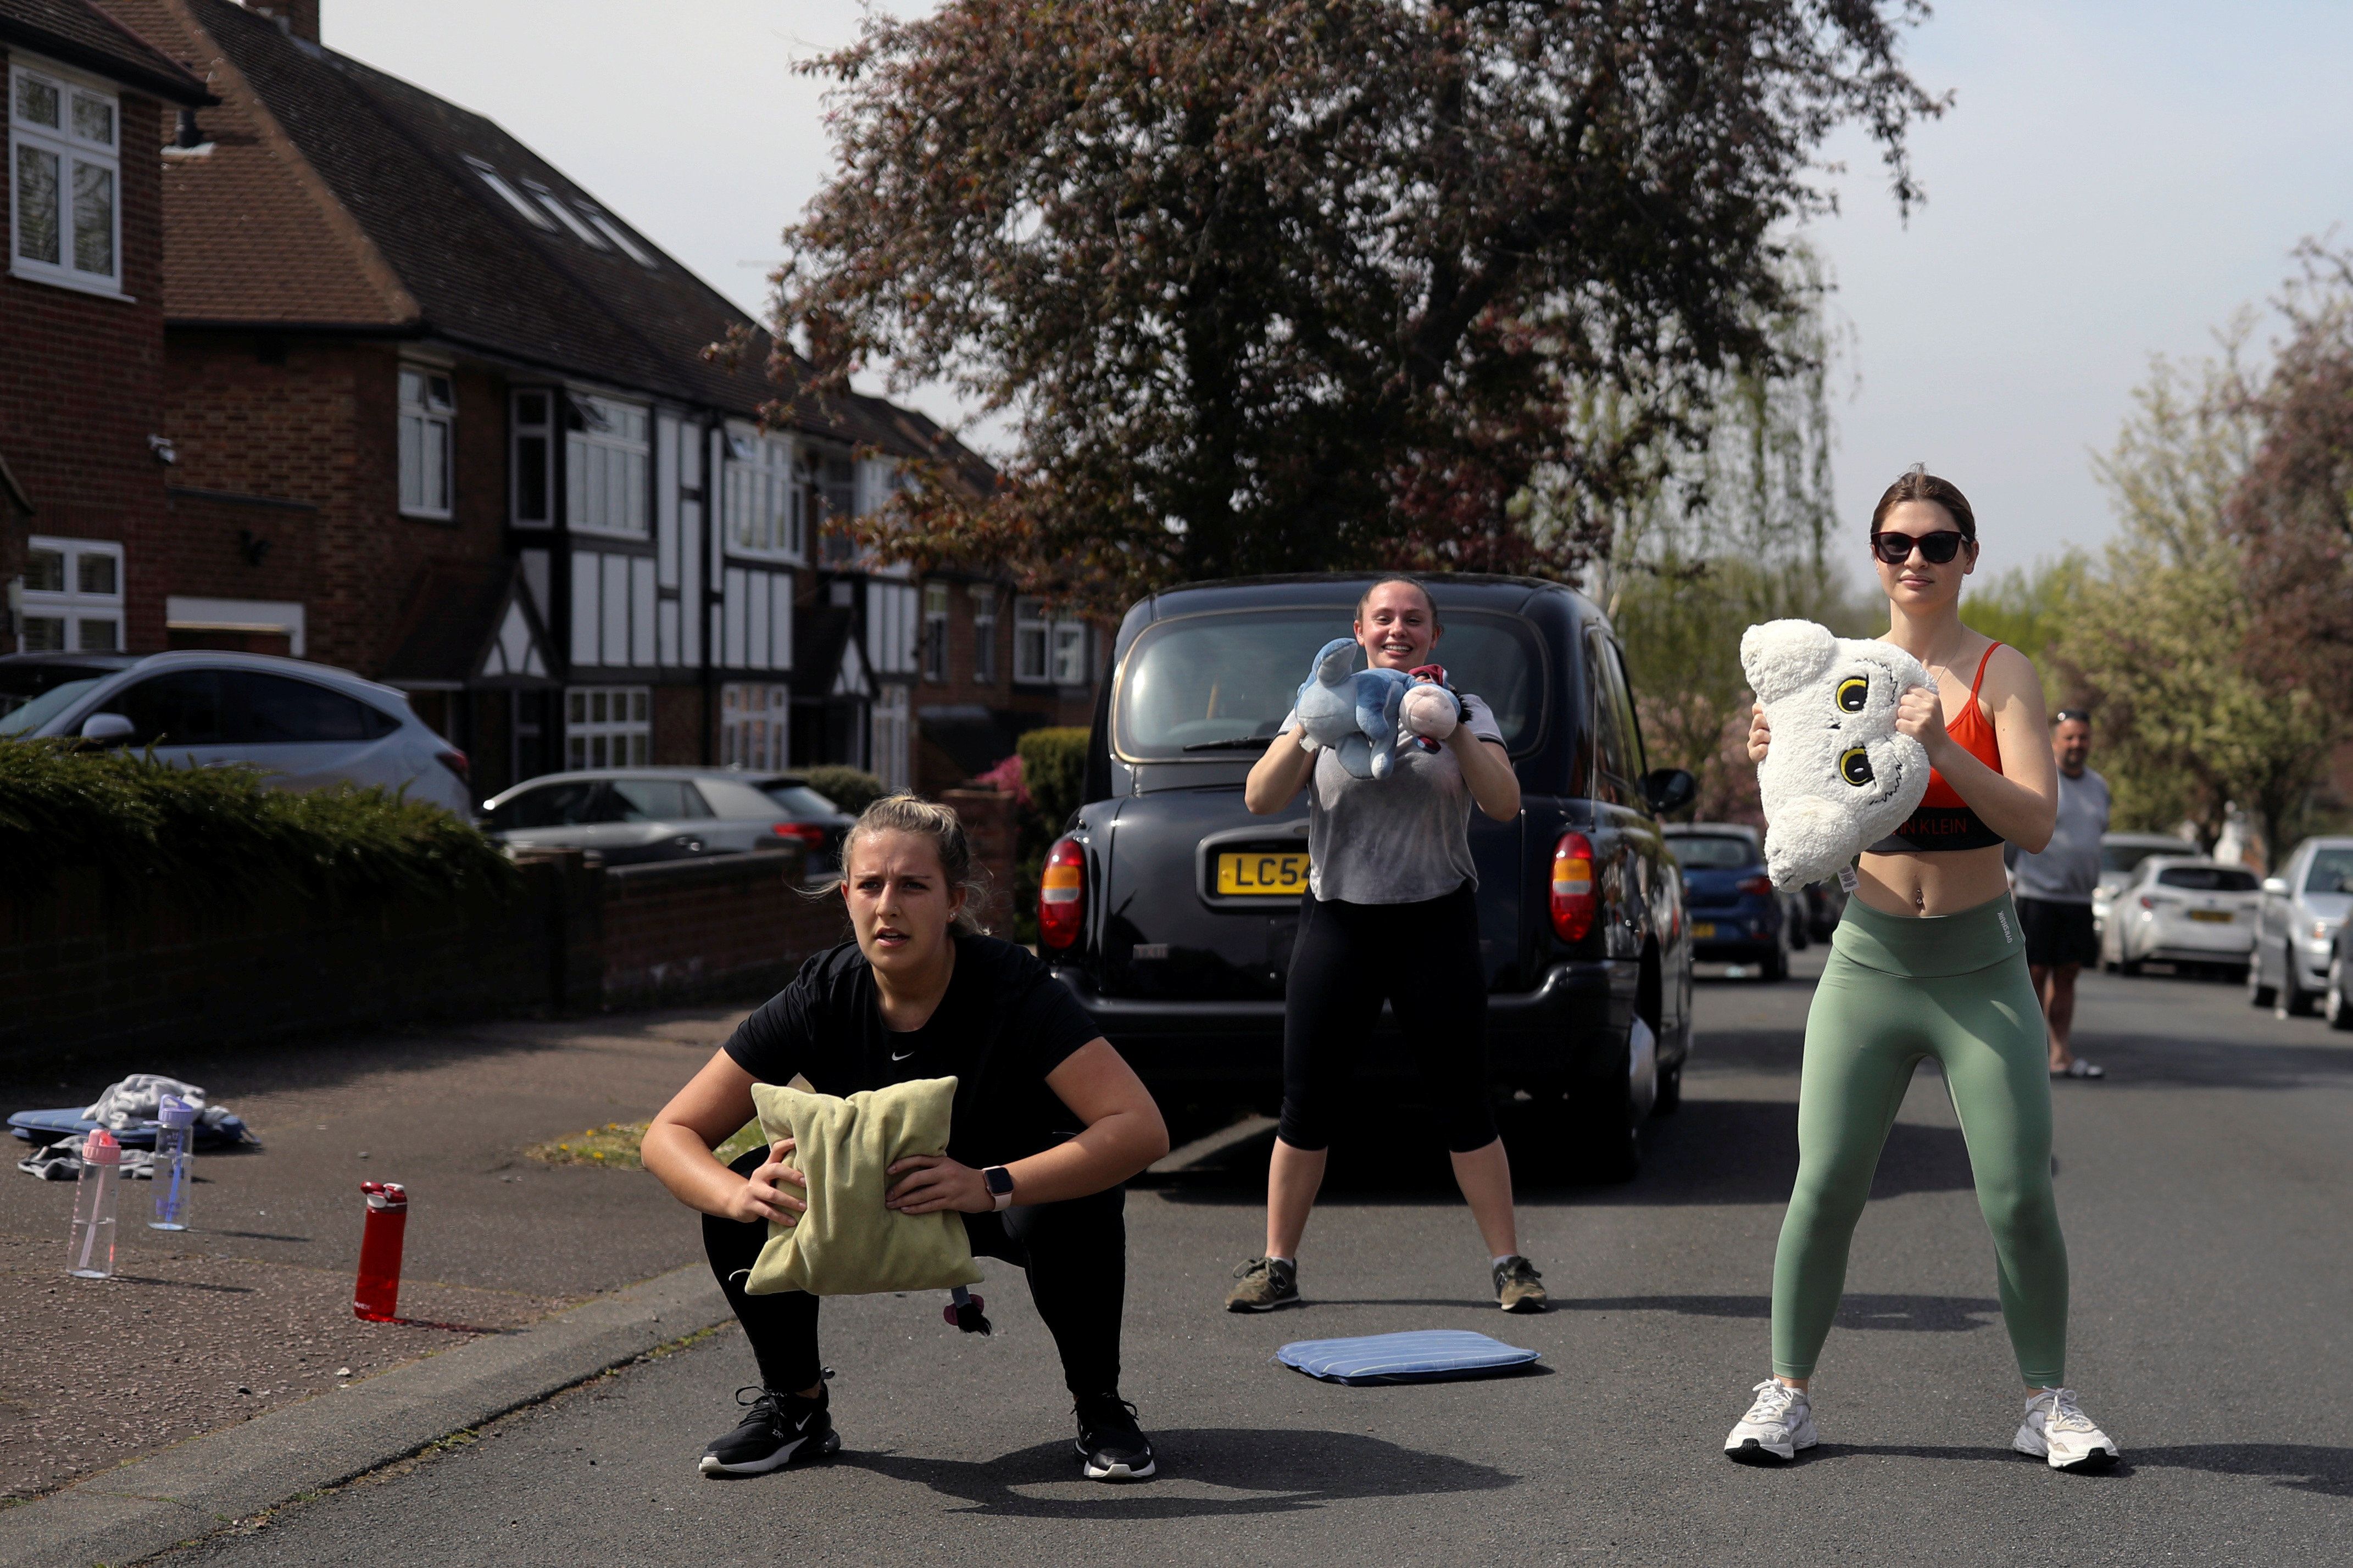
[194,1487]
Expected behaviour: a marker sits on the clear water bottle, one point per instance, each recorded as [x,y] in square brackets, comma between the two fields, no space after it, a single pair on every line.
[89,1250]
[175,1149]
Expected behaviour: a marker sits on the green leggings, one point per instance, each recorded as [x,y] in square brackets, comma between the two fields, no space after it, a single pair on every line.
[1897,991]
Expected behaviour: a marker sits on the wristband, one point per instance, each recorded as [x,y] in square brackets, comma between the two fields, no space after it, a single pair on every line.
[1000,1183]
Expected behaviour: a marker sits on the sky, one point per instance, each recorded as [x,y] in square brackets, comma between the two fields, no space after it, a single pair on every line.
[2114,181]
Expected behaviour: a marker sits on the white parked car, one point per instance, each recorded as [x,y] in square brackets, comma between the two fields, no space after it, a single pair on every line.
[306,725]
[628,816]
[2185,911]
[2304,909]
[2120,856]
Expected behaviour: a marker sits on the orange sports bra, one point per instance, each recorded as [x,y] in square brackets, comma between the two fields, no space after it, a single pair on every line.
[1942,821]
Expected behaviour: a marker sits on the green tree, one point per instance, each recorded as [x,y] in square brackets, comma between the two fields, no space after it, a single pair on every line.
[2190,718]
[1270,285]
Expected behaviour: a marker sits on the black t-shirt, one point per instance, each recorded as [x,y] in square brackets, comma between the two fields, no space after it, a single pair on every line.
[827,1025]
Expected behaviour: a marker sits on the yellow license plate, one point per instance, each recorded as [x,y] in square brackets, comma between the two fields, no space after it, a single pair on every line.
[2217,917]
[1270,873]
[1703,929]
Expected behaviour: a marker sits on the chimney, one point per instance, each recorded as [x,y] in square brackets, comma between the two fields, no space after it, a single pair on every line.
[299,19]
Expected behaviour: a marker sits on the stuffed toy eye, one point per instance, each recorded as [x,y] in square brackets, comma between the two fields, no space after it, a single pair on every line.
[1850,694]
[1854,766]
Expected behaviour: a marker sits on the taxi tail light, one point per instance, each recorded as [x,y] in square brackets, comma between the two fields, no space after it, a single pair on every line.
[1062,895]
[1572,888]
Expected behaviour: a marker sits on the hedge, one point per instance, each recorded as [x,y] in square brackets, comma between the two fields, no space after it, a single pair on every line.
[1054,770]
[847,788]
[224,829]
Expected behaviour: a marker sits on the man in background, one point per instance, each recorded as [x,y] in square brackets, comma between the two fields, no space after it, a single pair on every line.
[2055,890]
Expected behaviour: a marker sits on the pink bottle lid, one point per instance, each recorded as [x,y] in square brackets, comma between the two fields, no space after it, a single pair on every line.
[101,1149]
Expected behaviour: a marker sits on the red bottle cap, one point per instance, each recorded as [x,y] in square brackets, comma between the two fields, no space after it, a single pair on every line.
[385,1194]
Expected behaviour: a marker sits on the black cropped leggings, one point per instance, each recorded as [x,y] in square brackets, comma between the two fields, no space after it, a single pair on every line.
[1074,1252]
[1352,957]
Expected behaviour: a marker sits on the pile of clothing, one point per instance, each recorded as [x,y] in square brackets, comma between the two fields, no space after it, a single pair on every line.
[129,1110]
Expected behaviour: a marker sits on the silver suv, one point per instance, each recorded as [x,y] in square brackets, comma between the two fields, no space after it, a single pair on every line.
[307,725]
[625,815]
[2303,908]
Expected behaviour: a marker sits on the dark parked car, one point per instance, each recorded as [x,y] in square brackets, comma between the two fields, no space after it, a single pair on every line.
[1171,910]
[1736,915]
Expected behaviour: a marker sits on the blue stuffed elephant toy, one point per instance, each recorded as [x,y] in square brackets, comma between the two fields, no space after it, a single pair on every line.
[1358,712]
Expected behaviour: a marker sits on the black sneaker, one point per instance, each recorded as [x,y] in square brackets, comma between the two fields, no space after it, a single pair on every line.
[777,1429]
[1112,1447]
[1518,1287]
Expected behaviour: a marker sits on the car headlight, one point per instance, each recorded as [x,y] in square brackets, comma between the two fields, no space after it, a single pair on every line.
[2322,930]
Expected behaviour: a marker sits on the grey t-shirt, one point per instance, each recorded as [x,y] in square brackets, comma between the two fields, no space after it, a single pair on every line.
[2069,866]
[1397,840]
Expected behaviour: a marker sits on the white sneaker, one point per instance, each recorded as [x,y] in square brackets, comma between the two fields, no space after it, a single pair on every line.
[2057,1430]
[1780,1423]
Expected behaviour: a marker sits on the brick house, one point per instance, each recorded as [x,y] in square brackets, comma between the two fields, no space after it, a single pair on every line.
[83,461]
[442,417]
[994,664]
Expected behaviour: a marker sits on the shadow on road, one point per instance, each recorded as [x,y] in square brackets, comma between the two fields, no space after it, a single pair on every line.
[1711,1152]
[1913,1314]
[1269,1472]
[2298,1467]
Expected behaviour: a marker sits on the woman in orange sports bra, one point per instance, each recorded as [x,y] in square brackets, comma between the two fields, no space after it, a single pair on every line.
[1928,962]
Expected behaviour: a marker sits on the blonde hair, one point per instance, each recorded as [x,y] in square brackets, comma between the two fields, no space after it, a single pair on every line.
[927,819]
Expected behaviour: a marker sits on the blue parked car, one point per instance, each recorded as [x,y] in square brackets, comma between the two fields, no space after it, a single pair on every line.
[1736,917]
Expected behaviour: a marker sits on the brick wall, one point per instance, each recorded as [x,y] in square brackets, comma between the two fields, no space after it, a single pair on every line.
[991,828]
[81,965]
[83,391]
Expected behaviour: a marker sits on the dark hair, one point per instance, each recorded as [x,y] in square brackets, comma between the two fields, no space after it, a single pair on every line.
[927,819]
[1410,581]
[1919,484]
[2077,715]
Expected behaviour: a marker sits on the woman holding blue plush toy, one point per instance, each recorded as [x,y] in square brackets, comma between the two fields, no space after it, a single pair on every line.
[1393,761]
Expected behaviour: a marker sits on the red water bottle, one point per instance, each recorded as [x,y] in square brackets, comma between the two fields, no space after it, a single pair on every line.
[377,1297]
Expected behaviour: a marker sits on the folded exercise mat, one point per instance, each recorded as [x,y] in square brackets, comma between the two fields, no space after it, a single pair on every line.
[1418,1355]
[848,1244]
[214,1127]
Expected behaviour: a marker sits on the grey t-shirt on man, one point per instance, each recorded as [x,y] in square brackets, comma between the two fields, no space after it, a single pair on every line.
[1397,840]
[2069,866]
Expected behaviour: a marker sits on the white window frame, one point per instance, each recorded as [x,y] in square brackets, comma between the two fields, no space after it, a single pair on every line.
[1066,652]
[1033,643]
[608,470]
[513,198]
[893,729]
[564,213]
[71,604]
[935,649]
[608,727]
[762,493]
[755,722]
[74,153]
[521,431]
[986,596]
[428,416]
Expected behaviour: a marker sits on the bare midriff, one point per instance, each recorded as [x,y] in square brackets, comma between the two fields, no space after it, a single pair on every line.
[1933,882]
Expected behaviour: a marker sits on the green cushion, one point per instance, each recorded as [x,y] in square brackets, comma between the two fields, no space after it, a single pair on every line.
[848,1244]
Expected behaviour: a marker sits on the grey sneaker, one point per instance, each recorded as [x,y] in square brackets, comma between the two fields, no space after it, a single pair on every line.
[1516,1287]
[1266,1283]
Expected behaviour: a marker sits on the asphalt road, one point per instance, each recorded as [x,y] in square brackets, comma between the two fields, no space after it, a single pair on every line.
[2204,1187]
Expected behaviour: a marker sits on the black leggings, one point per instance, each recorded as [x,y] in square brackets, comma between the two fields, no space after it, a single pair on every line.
[1348,958]
[1075,1252]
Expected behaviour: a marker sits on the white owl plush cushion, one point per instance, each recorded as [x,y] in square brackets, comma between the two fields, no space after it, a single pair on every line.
[1838,776]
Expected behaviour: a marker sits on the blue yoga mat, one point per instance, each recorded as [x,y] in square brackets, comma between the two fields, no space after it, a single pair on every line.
[1418,1355]
[50,1126]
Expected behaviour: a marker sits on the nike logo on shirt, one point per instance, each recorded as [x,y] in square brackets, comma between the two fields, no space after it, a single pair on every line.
[900,1056]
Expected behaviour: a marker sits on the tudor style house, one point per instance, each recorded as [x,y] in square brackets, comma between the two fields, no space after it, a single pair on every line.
[444,418]
[83,454]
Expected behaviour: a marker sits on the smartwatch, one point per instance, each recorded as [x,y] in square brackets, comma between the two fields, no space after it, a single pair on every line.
[999,1182]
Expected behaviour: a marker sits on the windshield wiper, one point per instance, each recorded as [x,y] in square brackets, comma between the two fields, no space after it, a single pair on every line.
[1233,743]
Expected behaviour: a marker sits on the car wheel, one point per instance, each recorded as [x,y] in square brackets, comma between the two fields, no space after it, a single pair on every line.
[1671,1090]
[2334,1005]
[2294,1001]
[2258,994]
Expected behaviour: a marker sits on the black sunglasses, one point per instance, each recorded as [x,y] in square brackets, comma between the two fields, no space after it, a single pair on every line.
[1937,548]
